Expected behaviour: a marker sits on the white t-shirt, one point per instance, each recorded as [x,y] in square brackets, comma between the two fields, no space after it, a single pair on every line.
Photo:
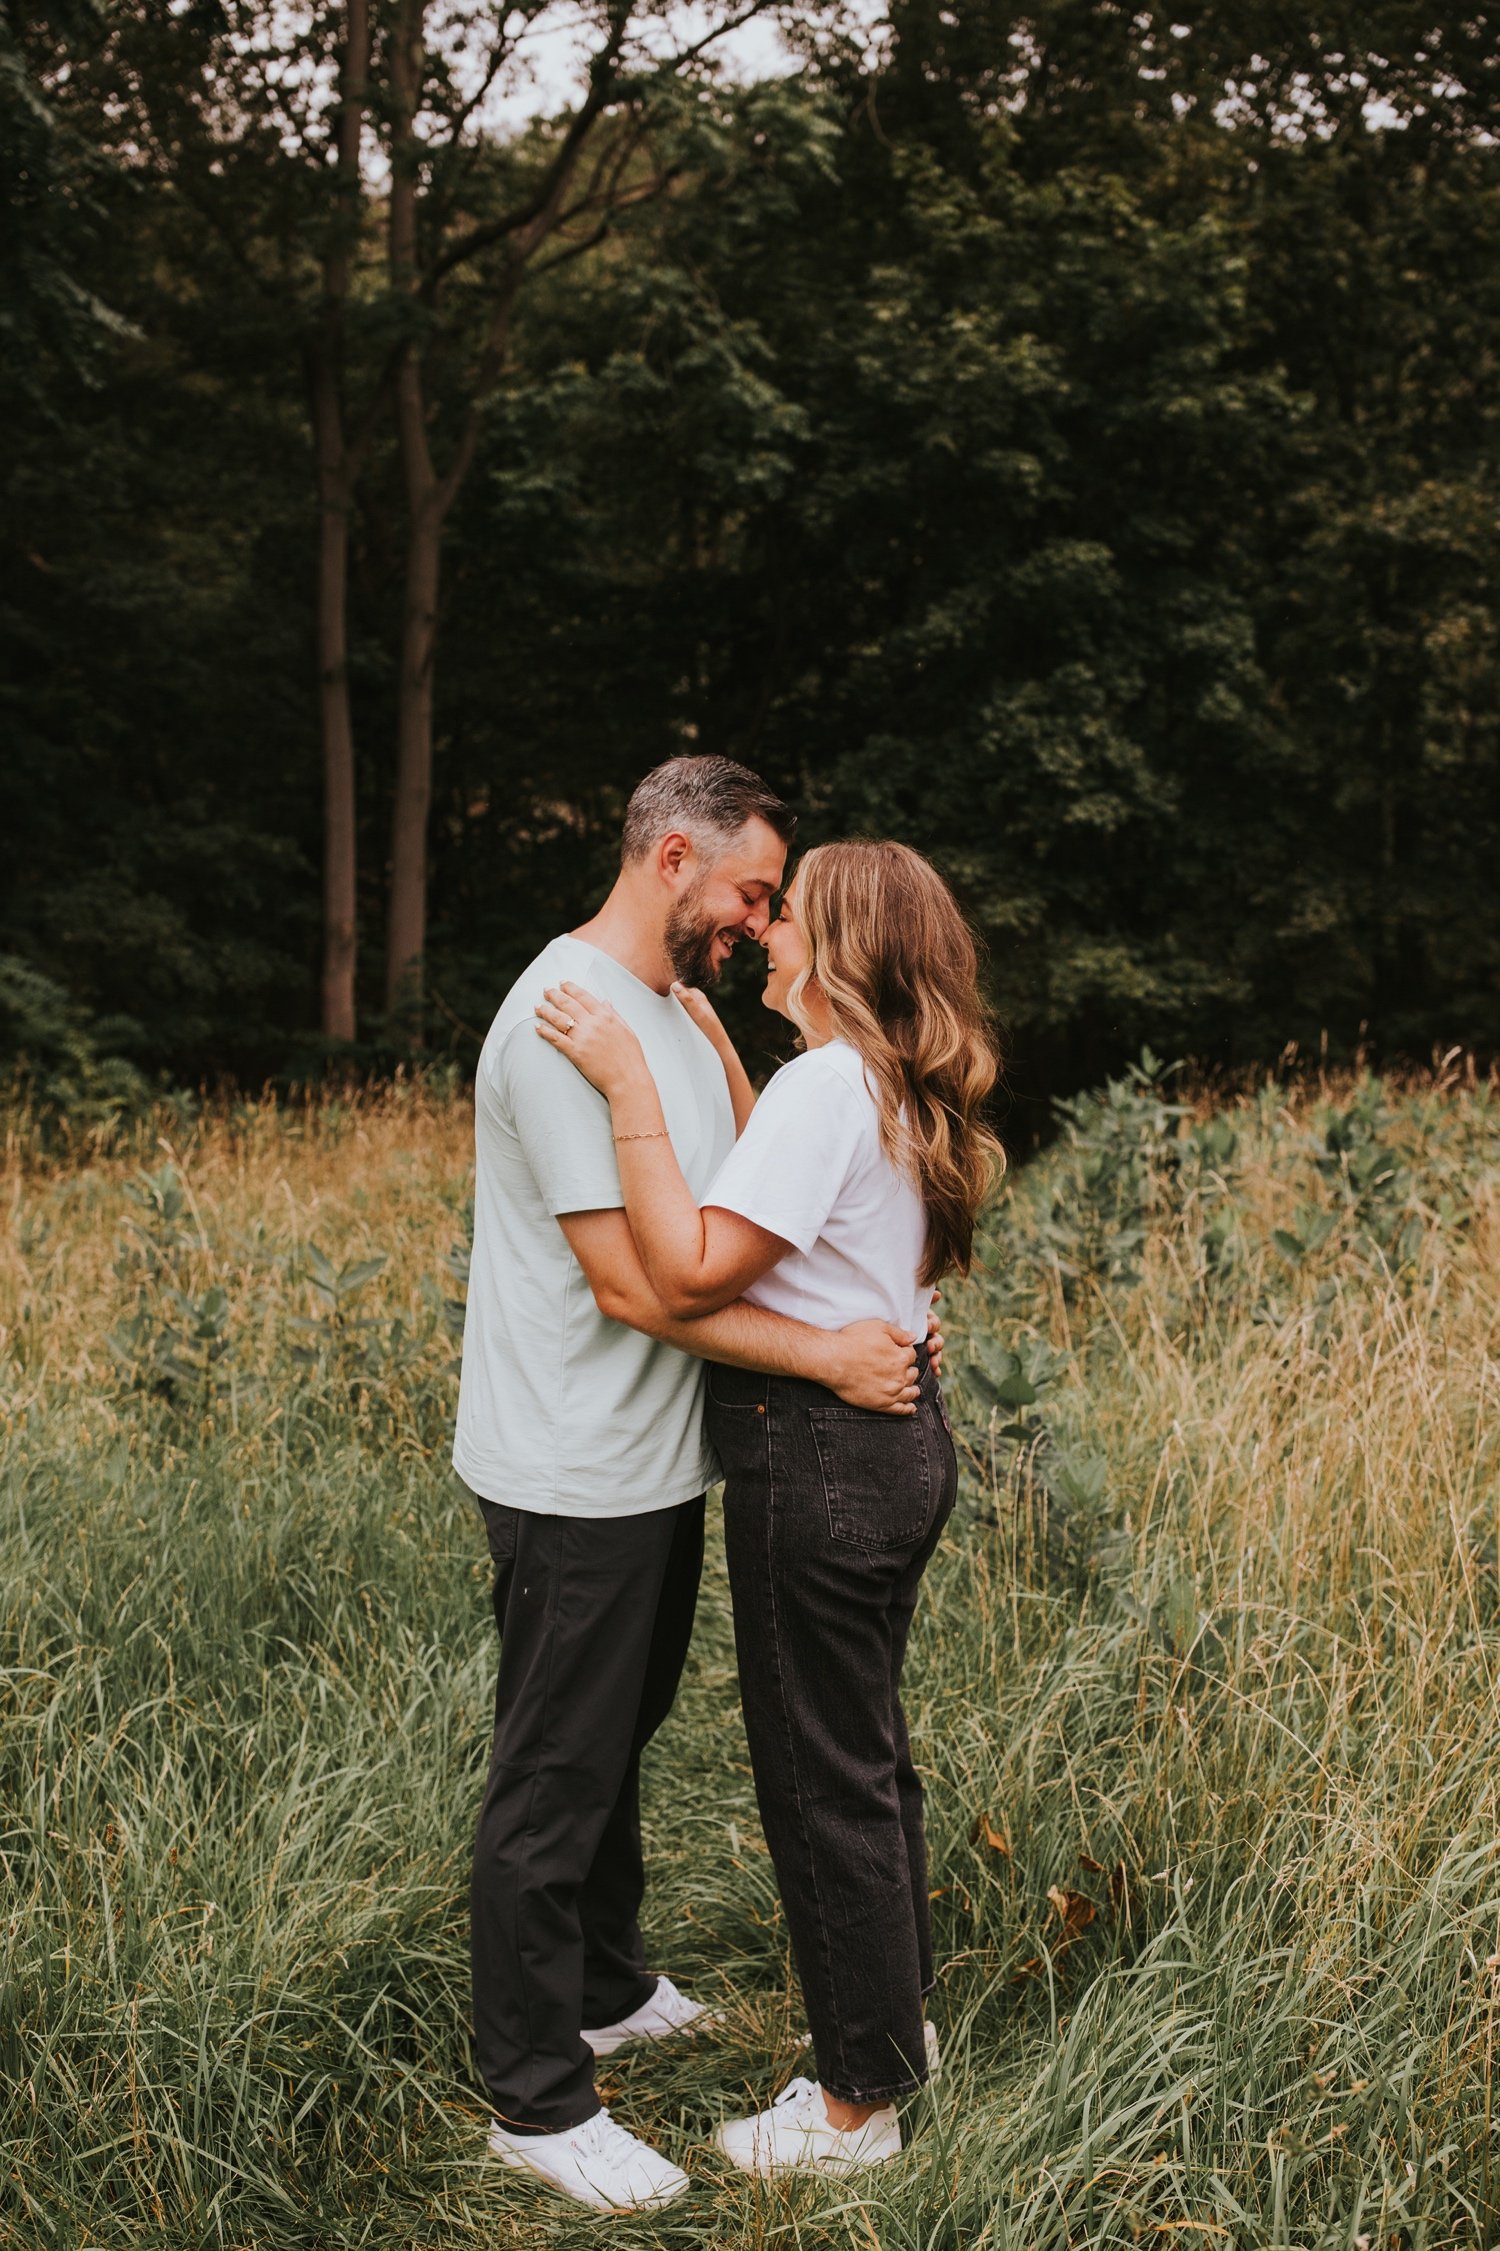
[809,1167]
[560,1409]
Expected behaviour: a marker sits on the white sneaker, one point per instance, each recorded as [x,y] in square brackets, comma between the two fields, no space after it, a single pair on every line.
[666,2012]
[596,2163]
[797,2132]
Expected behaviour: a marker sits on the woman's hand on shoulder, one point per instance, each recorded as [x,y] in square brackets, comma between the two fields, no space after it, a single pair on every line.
[591,1035]
[701,1009]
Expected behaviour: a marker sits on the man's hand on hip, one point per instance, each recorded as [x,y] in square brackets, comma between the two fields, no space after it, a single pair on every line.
[872,1364]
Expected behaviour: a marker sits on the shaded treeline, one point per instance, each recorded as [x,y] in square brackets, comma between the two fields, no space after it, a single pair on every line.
[1065,437]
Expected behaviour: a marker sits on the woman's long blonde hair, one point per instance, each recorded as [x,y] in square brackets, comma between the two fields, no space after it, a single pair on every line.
[898,967]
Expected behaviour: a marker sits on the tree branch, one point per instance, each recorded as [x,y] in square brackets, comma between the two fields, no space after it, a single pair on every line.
[576,249]
[720,30]
[453,160]
[615,200]
[603,78]
[502,48]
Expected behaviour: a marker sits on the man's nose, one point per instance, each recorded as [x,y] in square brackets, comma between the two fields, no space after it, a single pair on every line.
[758,922]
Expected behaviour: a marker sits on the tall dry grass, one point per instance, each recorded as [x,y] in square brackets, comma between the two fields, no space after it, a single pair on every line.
[1204,1690]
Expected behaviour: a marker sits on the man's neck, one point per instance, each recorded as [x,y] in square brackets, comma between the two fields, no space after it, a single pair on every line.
[631,935]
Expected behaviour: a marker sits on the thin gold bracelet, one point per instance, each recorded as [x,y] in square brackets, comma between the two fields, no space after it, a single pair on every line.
[661,1134]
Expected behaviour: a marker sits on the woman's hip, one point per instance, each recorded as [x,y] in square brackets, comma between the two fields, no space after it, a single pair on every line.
[807,1475]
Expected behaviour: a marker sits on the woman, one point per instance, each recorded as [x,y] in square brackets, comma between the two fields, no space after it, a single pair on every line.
[852,1190]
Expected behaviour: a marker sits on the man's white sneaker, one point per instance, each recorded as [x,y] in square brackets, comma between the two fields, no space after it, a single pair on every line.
[666,2012]
[797,2132]
[597,2163]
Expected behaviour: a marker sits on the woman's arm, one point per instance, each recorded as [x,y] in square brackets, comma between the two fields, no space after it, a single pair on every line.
[870,1364]
[706,1017]
[697,1261]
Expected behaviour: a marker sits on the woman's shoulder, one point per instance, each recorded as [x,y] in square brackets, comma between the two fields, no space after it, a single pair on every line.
[821,1069]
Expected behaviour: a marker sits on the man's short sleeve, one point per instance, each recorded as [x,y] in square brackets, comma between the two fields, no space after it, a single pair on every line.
[562,1123]
[798,1148]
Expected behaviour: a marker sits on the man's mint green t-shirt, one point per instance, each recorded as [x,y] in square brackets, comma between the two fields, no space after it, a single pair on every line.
[561,1410]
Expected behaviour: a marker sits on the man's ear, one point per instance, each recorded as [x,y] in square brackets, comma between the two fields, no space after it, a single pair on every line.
[671,854]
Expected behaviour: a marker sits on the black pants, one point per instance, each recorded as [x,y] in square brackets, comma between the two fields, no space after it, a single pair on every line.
[595,1614]
[830,1516]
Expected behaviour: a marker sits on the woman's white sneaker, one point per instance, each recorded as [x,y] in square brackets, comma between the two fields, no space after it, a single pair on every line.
[797,2133]
[667,2012]
[597,2163]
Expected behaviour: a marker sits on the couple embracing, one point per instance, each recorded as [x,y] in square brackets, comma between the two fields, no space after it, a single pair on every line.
[641,1219]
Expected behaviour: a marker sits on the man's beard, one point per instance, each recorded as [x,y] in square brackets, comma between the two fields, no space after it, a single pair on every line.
[690,940]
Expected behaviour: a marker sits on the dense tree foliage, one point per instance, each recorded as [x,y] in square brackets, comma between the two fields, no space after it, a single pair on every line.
[1065,437]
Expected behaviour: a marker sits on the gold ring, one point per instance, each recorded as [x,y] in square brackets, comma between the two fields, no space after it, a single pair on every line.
[567,1025]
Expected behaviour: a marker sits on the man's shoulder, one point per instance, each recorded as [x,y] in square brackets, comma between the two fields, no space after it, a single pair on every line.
[564,957]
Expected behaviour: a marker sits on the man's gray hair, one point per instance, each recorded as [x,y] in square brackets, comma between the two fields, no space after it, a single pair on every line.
[709,799]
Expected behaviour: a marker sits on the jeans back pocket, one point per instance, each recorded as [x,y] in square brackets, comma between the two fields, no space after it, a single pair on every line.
[877,1473]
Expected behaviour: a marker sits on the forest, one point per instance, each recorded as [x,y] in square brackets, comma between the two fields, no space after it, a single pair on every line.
[1063,437]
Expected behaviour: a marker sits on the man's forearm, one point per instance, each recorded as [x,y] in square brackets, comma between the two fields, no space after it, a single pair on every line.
[748,1336]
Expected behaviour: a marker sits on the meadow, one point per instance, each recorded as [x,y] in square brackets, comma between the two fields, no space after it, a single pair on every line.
[1204,1689]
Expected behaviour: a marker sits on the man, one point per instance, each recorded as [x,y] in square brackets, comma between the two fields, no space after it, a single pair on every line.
[580,1430]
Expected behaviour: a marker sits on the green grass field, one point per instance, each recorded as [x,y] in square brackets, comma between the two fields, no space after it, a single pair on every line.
[1204,1689]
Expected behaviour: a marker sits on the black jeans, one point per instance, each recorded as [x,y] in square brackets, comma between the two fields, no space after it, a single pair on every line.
[830,1516]
[595,1615]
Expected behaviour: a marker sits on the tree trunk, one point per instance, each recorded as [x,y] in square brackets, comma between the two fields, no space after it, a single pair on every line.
[339,1018]
[426,506]
[336,468]
[406,923]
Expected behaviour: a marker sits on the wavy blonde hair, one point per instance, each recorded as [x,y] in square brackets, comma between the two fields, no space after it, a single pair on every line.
[899,969]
